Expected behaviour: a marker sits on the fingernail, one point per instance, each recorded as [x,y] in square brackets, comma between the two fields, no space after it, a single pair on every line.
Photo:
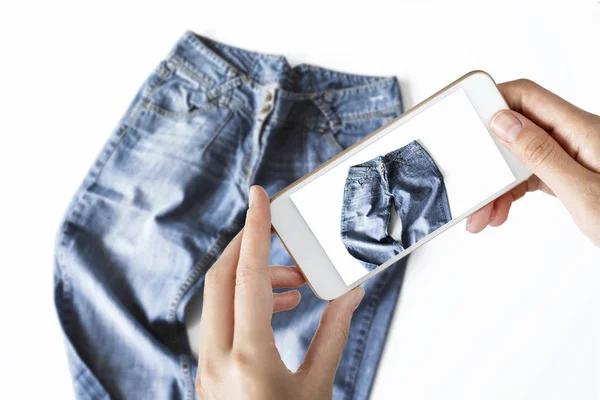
[506,126]
[468,223]
[251,196]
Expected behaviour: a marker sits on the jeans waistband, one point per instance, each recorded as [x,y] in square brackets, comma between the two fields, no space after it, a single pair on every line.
[372,167]
[218,66]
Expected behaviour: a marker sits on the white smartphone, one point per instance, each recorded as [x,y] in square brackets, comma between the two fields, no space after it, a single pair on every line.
[398,188]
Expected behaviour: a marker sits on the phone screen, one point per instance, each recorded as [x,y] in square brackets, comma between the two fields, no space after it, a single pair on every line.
[401,188]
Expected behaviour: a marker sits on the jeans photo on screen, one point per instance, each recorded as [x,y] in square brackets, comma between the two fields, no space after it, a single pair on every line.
[403,186]
[406,179]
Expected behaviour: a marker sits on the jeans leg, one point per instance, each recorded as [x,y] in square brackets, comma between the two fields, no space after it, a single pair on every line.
[365,219]
[420,195]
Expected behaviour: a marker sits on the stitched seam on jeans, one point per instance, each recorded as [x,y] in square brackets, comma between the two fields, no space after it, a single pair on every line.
[137,109]
[434,168]
[250,70]
[446,202]
[82,382]
[190,68]
[176,115]
[180,337]
[235,104]
[152,107]
[78,203]
[399,158]
[443,203]
[87,384]
[370,306]
[350,117]
[440,208]
[369,114]
[362,177]
[206,51]
[343,219]
[402,222]
[334,141]
[367,79]
[389,217]
[73,215]
[345,91]
[188,381]
[303,145]
[217,131]
[74,212]
[197,269]
[149,105]
[202,44]
[190,72]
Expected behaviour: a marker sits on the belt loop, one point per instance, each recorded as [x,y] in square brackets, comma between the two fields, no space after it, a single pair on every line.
[323,104]
[225,90]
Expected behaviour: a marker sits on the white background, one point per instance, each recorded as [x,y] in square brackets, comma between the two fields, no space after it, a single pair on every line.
[454,136]
[512,313]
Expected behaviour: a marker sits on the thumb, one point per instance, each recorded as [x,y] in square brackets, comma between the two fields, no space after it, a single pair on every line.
[539,152]
[323,356]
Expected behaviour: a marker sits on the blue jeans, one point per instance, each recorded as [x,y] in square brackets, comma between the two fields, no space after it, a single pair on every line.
[407,177]
[170,190]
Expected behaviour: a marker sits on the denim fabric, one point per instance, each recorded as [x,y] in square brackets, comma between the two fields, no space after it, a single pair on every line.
[170,190]
[409,179]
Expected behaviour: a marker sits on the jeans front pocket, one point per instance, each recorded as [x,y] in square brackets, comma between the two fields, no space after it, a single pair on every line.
[356,189]
[177,118]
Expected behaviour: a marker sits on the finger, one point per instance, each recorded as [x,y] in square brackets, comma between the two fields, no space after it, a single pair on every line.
[544,108]
[323,356]
[286,301]
[503,204]
[501,209]
[539,152]
[480,219]
[286,277]
[527,186]
[570,126]
[530,185]
[253,292]
[534,183]
[216,324]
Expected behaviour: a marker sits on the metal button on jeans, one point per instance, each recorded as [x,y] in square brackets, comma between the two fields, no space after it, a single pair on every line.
[268,96]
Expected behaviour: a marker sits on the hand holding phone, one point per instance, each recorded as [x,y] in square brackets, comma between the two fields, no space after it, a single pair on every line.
[398,188]
[566,163]
[238,355]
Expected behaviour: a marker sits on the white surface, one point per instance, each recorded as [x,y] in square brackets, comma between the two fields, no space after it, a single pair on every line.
[512,313]
[472,173]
